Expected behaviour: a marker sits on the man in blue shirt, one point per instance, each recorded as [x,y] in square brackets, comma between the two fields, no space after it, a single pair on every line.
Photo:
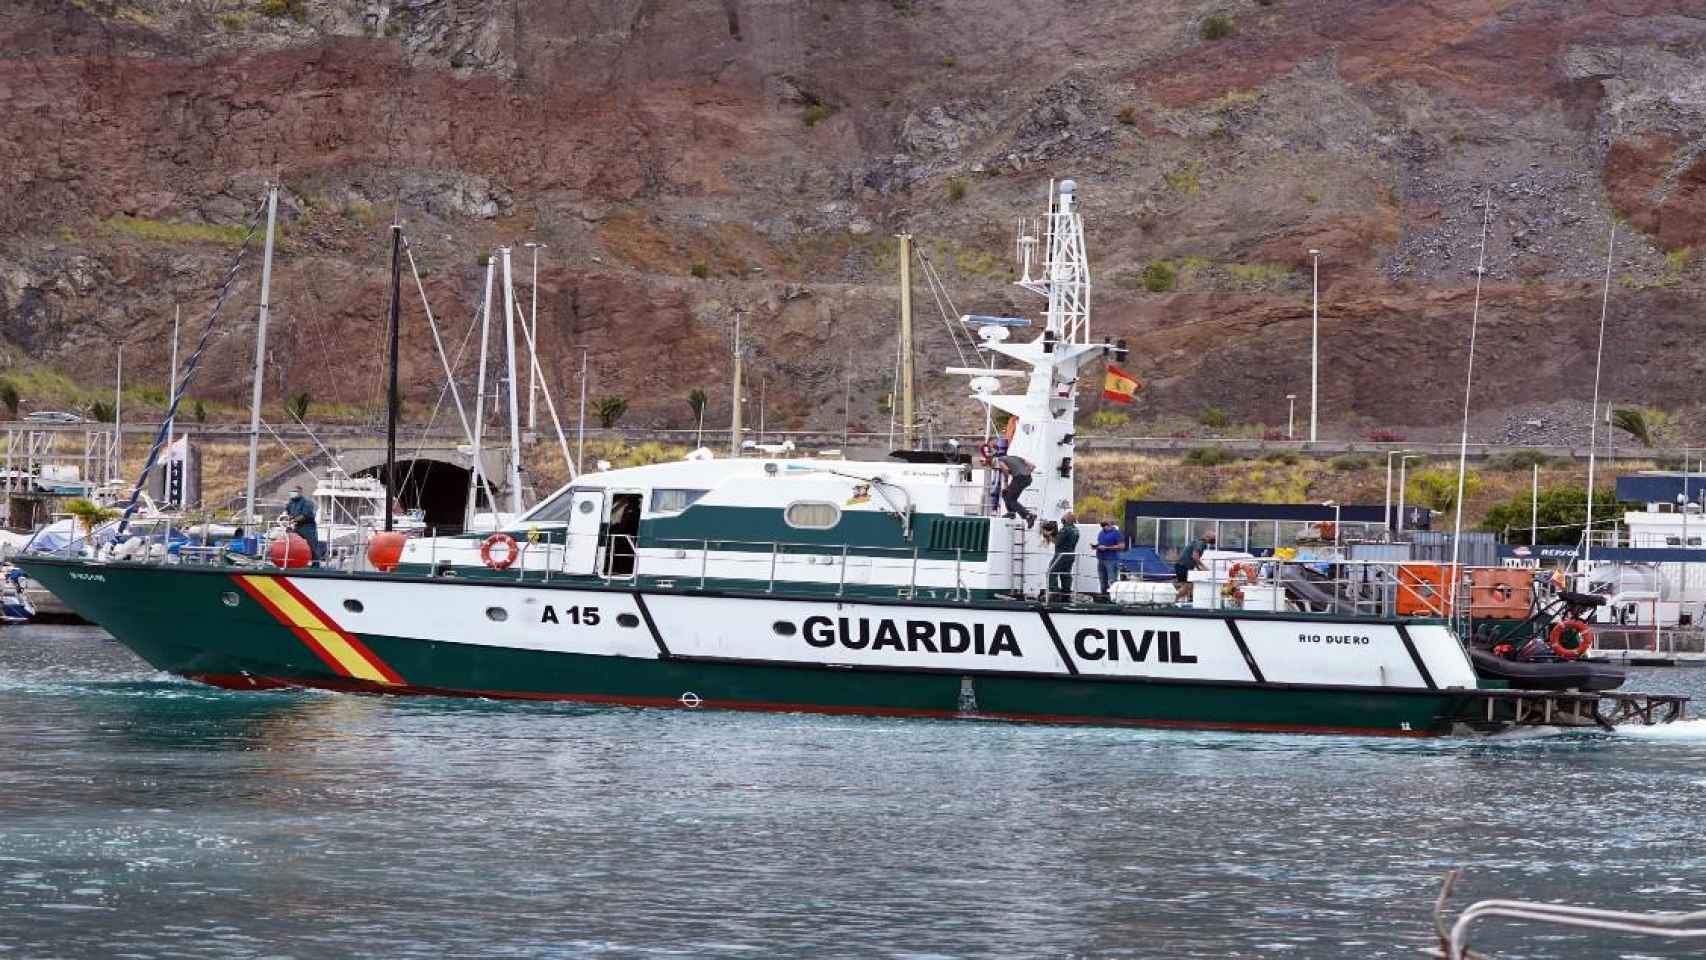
[1110,542]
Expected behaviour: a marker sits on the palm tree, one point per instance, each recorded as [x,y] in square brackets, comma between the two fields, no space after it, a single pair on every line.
[297,406]
[89,514]
[1633,422]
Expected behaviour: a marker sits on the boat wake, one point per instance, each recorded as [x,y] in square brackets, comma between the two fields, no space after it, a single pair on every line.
[1693,729]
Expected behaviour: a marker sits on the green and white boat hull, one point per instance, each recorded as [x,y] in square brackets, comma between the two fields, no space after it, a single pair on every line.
[596,642]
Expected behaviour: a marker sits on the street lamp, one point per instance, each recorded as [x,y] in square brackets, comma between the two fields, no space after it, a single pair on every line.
[1403,464]
[1314,343]
[1388,514]
[1337,512]
[1290,413]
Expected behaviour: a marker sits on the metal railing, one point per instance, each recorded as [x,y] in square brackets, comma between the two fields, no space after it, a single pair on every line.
[1454,941]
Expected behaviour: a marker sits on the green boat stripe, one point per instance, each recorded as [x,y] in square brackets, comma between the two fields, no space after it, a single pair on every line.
[1250,658]
[1059,645]
[1416,655]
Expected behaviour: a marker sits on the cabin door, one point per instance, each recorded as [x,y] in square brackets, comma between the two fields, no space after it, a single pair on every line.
[586,518]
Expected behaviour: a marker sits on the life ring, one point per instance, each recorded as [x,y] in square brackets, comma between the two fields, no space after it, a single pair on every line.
[1567,628]
[511,552]
[1238,577]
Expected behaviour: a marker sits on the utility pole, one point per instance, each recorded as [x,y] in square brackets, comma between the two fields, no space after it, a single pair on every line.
[734,417]
[908,433]
[1314,346]
[250,518]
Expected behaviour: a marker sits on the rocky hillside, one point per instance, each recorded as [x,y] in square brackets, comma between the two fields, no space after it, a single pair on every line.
[686,160]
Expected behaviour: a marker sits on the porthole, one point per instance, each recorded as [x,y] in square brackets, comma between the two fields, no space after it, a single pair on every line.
[229,598]
[353,606]
[627,620]
[497,614]
[783,628]
[586,506]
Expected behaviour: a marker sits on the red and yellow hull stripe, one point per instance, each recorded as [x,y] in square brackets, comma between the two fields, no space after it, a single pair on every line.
[338,648]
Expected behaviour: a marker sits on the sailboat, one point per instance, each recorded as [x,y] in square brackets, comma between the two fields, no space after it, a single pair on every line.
[790,583]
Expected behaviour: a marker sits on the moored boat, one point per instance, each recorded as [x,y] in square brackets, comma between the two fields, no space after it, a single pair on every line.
[889,587]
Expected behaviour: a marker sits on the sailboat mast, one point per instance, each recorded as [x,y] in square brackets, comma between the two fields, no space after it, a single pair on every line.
[249,516]
[172,385]
[118,417]
[514,408]
[478,473]
[391,394]
[734,425]
[908,435]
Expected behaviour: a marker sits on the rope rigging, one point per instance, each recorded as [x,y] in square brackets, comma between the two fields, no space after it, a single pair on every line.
[190,367]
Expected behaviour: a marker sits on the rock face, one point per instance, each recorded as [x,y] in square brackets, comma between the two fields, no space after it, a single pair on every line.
[686,162]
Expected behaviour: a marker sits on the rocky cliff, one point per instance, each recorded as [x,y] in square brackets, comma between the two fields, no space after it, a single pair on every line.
[682,161]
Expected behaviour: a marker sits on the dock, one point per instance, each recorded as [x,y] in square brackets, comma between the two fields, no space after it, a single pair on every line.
[1495,710]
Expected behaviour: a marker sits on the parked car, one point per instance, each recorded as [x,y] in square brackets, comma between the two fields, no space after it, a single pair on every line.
[53,416]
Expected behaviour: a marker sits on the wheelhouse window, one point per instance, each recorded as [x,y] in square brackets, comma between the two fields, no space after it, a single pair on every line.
[812,515]
[674,500]
[558,508]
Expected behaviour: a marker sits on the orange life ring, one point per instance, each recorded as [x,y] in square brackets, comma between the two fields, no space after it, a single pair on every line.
[511,552]
[1238,577]
[1564,628]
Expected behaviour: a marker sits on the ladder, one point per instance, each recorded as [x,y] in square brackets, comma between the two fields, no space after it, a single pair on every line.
[1017,550]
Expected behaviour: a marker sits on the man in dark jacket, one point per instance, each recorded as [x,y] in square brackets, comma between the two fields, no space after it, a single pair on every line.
[300,510]
[1191,558]
[1065,556]
[1017,470]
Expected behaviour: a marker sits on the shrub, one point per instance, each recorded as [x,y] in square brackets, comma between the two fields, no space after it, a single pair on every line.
[956,189]
[699,269]
[294,9]
[483,259]
[1159,277]
[1350,463]
[1385,436]
[1518,460]
[199,412]
[1216,27]
[1281,456]
[1208,457]
[948,61]
[1127,116]
[609,410]
[101,411]
[1436,487]
[9,398]
[1213,417]
[297,405]
[816,114]
[1107,420]
[696,401]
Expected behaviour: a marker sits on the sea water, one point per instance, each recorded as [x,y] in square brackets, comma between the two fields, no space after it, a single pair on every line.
[146,816]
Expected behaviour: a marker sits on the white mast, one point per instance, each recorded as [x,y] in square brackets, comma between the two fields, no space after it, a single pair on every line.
[734,425]
[118,418]
[908,419]
[514,409]
[250,518]
[1593,419]
[533,345]
[474,479]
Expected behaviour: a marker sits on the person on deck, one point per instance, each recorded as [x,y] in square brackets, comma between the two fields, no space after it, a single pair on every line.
[1018,472]
[1110,542]
[1065,555]
[1191,558]
[300,510]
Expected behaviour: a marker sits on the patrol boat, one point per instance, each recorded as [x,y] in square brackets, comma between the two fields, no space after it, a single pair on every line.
[888,587]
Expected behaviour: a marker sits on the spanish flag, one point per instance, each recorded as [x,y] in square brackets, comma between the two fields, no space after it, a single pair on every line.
[1120,386]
